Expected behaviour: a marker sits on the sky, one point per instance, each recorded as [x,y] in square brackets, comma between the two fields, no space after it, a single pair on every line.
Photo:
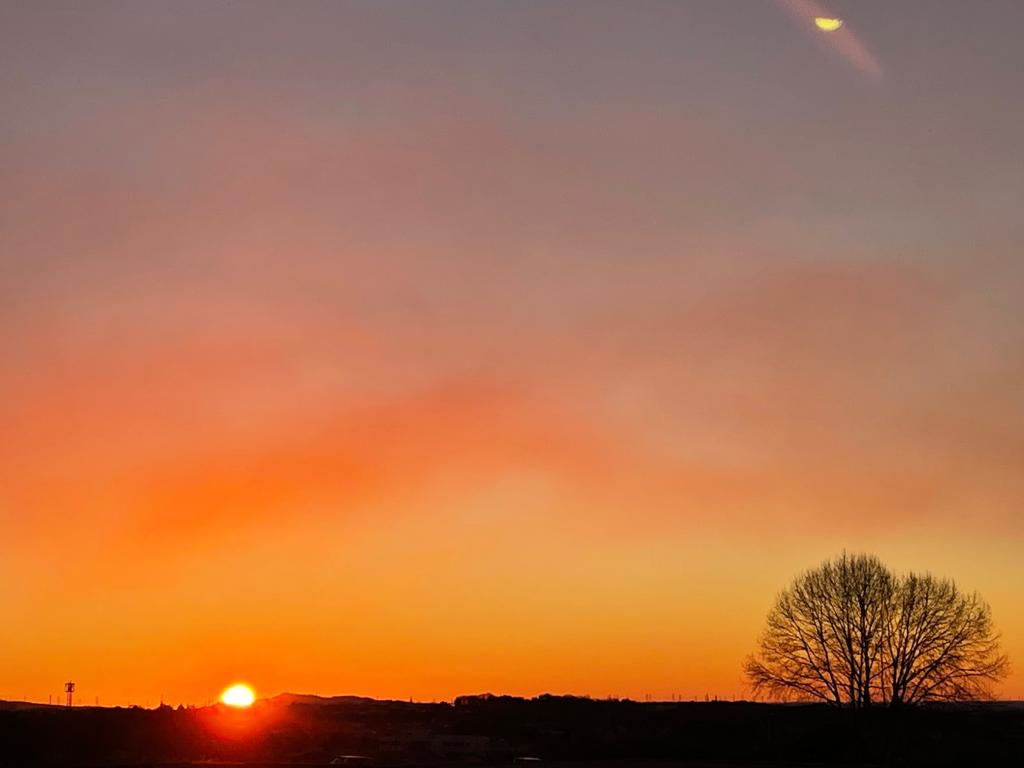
[416,349]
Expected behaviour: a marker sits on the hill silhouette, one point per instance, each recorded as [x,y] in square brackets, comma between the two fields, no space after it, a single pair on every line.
[309,698]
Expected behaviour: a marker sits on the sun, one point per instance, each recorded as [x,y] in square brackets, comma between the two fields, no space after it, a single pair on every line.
[238,695]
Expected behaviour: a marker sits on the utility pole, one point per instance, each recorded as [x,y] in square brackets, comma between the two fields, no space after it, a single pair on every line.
[69,689]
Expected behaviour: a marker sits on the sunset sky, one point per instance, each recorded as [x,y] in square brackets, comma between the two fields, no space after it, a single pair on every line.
[412,349]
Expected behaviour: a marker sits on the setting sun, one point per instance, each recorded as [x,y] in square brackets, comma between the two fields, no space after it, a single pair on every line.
[238,695]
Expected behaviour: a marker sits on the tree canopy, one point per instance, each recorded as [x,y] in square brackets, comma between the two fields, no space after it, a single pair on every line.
[852,633]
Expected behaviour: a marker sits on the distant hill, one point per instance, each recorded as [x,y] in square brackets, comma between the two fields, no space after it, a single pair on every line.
[17,705]
[308,698]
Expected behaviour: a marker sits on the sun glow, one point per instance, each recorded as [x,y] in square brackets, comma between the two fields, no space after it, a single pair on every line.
[238,695]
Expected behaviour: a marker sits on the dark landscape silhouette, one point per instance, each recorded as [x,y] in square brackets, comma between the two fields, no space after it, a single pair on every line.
[501,730]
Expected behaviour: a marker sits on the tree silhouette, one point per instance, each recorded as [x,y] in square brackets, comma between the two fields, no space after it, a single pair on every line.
[851,633]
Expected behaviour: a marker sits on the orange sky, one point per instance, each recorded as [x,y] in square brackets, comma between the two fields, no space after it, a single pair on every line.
[511,347]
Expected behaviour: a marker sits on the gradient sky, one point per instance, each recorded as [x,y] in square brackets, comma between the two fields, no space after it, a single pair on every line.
[414,349]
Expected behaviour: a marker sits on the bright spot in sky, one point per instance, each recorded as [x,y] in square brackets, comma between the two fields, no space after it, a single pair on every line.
[826,24]
[238,695]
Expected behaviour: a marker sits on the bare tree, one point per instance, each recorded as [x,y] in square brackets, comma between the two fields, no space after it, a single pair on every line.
[940,645]
[852,634]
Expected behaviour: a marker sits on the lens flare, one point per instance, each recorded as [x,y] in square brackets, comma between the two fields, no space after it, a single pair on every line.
[238,695]
[827,24]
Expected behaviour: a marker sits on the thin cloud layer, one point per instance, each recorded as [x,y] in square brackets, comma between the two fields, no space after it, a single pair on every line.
[410,316]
